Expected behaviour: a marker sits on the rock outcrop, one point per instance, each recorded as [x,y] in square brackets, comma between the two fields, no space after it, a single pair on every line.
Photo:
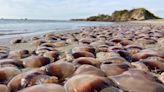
[134,14]
[101,17]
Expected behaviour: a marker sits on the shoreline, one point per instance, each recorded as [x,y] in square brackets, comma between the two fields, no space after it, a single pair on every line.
[155,21]
[6,41]
[78,25]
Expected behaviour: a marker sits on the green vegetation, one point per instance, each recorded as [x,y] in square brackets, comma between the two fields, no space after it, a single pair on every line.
[120,15]
[123,15]
[101,17]
[141,14]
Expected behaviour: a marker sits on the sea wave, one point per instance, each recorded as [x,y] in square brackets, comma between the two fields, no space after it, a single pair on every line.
[13,28]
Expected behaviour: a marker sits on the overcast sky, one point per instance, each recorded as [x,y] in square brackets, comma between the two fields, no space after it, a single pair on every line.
[68,9]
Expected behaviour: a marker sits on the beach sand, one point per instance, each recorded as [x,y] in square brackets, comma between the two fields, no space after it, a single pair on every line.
[112,57]
[29,46]
[156,21]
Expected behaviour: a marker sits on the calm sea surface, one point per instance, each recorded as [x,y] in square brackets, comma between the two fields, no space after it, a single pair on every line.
[15,28]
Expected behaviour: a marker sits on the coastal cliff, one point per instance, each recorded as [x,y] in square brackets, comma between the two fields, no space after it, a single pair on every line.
[123,15]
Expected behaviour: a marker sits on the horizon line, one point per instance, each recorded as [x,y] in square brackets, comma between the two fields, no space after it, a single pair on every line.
[34,19]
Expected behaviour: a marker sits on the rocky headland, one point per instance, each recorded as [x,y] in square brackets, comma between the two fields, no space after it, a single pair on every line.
[123,15]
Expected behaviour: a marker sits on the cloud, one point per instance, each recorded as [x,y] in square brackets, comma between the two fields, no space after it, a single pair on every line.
[66,9]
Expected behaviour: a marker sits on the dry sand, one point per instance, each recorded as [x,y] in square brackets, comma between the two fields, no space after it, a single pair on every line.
[156,21]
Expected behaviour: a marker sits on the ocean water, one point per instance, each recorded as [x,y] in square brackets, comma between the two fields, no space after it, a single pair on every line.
[19,27]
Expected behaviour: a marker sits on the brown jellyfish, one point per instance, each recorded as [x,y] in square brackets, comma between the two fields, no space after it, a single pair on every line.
[15,83]
[101,37]
[4,88]
[44,88]
[85,40]
[41,50]
[16,40]
[116,40]
[4,52]
[124,54]
[84,48]
[48,44]
[116,60]
[142,74]
[87,83]
[143,54]
[89,69]
[7,73]
[11,62]
[86,60]
[36,78]
[52,54]
[37,42]
[154,64]
[98,44]
[36,61]
[50,36]
[143,82]
[140,66]
[34,38]
[61,69]
[79,54]
[125,42]
[113,69]
[53,70]
[67,68]
[133,49]
[19,54]
[71,40]
[115,48]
